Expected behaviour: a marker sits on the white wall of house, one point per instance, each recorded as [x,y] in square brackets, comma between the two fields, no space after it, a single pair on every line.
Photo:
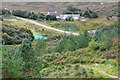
[75,16]
[52,13]
[64,16]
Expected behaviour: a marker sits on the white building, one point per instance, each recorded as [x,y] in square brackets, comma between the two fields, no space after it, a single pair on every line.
[52,13]
[75,16]
[92,31]
[64,16]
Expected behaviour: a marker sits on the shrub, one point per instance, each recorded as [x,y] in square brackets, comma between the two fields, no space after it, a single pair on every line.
[13,64]
[70,27]
[67,72]
[90,14]
[93,45]
[66,26]
[105,36]
[72,10]
[5,12]
[71,42]
[51,17]
[32,64]
[14,35]
[69,19]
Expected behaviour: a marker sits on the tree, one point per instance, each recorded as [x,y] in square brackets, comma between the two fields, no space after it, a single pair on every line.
[72,10]
[12,64]
[70,18]
[41,16]
[67,12]
[90,14]
[71,42]
[5,12]
[87,38]
[32,64]
[33,16]
[40,47]
[26,14]
[51,17]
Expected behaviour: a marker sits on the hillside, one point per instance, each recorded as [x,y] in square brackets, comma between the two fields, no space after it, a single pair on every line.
[92,53]
[60,56]
[14,35]
[44,7]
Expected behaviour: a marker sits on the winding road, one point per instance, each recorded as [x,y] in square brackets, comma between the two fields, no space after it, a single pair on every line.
[48,27]
[103,72]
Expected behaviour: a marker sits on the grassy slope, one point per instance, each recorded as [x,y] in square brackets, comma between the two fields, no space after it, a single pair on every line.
[89,24]
[72,57]
[34,28]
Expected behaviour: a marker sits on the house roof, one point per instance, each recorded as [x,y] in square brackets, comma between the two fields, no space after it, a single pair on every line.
[52,13]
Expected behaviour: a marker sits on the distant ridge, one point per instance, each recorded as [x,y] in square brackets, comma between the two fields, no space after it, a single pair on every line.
[44,7]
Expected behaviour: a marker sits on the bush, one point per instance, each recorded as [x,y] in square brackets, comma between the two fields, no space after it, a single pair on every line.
[22,62]
[67,72]
[93,45]
[90,14]
[5,12]
[27,14]
[51,17]
[69,19]
[71,42]
[13,64]
[105,36]
[14,35]
[66,26]
[30,57]
[72,10]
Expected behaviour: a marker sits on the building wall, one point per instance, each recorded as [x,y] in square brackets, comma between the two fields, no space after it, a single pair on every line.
[73,17]
[65,16]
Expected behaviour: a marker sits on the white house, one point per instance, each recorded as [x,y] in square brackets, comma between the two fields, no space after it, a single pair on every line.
[52,13]
[75,16]
[64,16]
[83,19]
[92,31]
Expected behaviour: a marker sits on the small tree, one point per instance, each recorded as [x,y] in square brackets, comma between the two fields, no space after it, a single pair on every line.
[51,17]
[87,37]
[13,64]
[33,16]
[70,18]
[41,16]
[32,64]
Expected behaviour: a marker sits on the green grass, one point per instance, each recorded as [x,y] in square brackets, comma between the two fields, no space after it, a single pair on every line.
[80,57]
[89,24]
[34,28]
[67,71]
[8,17]
[99,75]
[110,69]
[88,60]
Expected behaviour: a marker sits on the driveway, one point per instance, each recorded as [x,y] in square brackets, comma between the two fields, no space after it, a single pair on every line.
[48,27]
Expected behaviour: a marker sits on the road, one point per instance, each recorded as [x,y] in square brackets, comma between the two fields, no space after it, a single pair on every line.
[103,72]
[48,27]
